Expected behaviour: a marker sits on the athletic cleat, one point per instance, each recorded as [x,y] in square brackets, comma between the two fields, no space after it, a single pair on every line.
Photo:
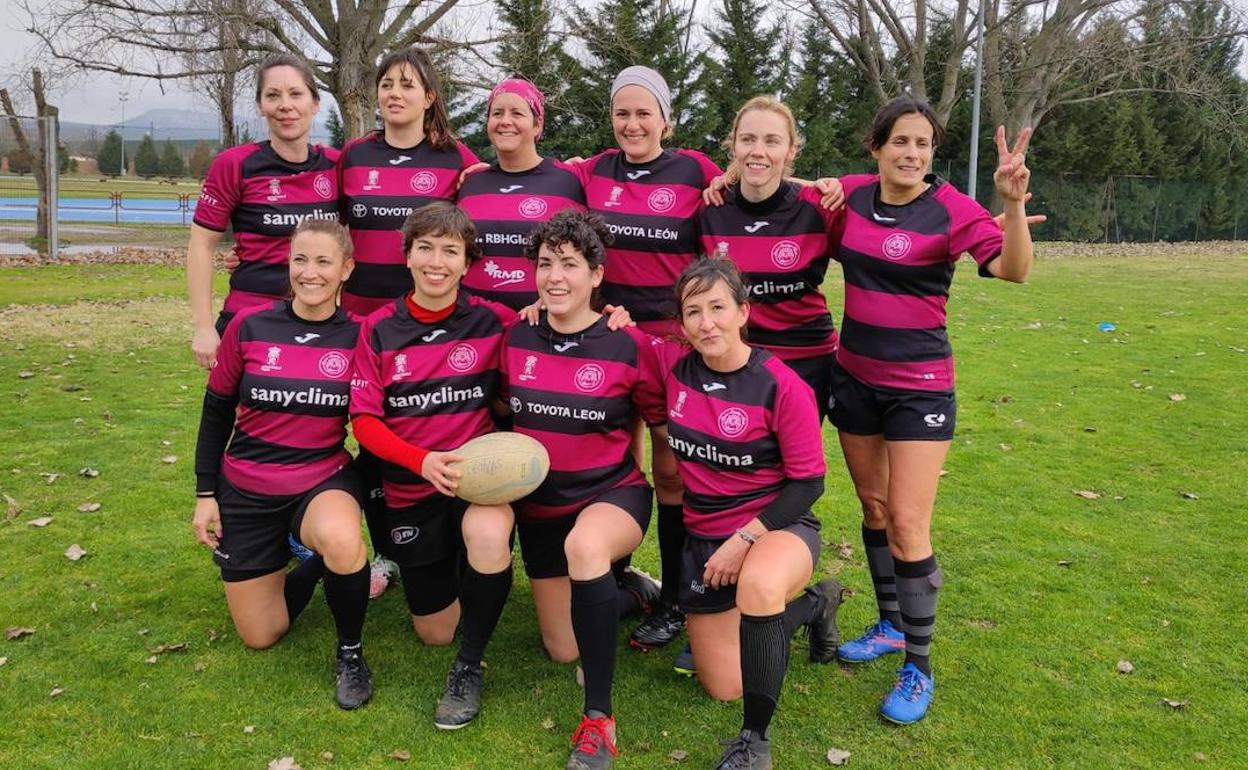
[880,639]
[461,700]
[748,751]
[659,628]
[908,701]
[298,549]
[684,664]
[593,744]
[380,573]
[354,682]
[641,585]
[822,629]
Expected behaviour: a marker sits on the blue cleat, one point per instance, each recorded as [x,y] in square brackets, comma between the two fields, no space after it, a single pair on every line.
[908,701]
[878,640]
[684,664]
[298,549]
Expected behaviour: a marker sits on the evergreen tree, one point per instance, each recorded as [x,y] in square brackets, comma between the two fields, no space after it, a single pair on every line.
[109,157]
[19,162]
[171,163]
[201,159]
[147,160]
[833,110]
[745,60]
[337,134]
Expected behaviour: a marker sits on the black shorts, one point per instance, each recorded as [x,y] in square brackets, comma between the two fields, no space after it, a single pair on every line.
[901,415]
[697,598]
[817,373]
[254,542]
[425,533]
[541,540]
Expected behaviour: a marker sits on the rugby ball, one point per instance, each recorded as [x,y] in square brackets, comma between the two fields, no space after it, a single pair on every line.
[501,468]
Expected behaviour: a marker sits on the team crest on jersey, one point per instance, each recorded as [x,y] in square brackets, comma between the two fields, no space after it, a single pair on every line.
[374,180]
[322,186]
[661,200]
[785,254]
[516,405]
[677,409]
[462,357]
[359,211]
[733,421]
[275,190]
[271,358]
[424,181]
[400,367]
[897,246]
[530,363]
[589,378]
[532,208]
[614,198]
[333,364]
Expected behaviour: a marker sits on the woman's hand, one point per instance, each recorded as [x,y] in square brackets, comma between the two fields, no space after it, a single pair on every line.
[617,317]
[469,171]
[437,470]
[532,313]
[1012,175]
[230,260]
[204,344]
[833,194]
[207,521]
[724,566]
[713,195]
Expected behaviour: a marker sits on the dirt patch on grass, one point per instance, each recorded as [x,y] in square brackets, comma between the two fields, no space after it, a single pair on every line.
[120,326]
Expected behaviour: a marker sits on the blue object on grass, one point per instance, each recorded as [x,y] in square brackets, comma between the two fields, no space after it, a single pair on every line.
[1106,326]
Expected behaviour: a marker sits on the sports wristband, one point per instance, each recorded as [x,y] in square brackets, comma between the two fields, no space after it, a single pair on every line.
[744,534]
[205,494]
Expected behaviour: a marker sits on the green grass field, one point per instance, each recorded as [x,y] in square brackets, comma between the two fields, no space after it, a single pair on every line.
[1046,591]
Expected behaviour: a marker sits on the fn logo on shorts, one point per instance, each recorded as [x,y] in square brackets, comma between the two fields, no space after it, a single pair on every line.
[404,535]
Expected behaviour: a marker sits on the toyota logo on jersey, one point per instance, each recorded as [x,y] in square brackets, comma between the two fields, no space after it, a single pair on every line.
[785,254]
[733,421]
[661,200]
[897,246]
[462,357]
[424,181]
[589,377]
[532,208]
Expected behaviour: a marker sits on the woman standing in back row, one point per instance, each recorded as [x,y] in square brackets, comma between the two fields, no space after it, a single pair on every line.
[893,384]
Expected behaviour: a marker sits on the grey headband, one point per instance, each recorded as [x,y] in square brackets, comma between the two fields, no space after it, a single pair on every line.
[649,80]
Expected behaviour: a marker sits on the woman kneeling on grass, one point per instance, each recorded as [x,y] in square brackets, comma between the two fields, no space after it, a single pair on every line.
[278,397]
[747,438]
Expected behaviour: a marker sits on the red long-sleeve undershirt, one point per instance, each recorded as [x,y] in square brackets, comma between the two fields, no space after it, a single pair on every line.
[374,435]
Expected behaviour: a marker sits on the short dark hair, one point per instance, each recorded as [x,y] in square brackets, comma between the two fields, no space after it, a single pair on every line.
[441,218]
[286,60]
[886,116]
[703,273]
[585,232]
[437,121]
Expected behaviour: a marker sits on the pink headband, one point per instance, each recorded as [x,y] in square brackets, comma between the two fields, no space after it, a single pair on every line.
[526,91]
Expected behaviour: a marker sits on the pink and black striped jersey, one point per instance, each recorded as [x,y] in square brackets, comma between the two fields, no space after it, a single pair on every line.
[506,206]
[432,384]
[577,394]
[738,437]
[898,263]
[263,197]
[291,378]
[651,209]
[782,247]
[380,187]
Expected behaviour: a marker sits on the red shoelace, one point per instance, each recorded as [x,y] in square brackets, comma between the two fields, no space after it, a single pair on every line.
[591,734]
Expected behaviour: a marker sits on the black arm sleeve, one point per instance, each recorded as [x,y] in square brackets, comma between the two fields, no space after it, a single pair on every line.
[795,499]
[215,426]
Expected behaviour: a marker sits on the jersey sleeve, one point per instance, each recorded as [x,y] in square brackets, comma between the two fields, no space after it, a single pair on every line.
[466,155]
[228,371]
[585,169]
[973,230]
[798,429]
[710,169]
[649,395]
[220,194]
[367,391]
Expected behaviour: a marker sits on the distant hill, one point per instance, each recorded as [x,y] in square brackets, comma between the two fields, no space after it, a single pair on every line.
[178,125]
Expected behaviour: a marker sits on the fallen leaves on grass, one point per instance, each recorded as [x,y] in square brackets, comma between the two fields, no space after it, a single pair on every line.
[14,508]
[328,756]
[678,755]
[1190,496]
[284,763]
[1174,704]
[169,459]
[15,632]
[25,375]
[42,521]
[56,691]
[1199,756]
[1088,494]
[1177,397]
[400,755]
[548,724]
[1005,447]
[1063,562]
[1125,667]
[844,549]
[50,477]
[249,729]
[200,666]
[944,472]
[75,552]
[88,473]
[838,757]
[88,507]
[161,649]
[4,660]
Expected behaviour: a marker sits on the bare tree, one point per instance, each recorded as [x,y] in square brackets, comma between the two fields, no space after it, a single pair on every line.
[46,113]
[341,40]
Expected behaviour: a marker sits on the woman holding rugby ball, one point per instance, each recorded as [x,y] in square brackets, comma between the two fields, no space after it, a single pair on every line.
[270,460]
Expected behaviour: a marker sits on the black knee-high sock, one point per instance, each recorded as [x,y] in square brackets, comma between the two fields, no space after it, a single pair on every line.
[883,577]
[595,622]
[671,544]
[301,584]
[764,658]
[798,613]
[347,597]
[481,599]
[917,585]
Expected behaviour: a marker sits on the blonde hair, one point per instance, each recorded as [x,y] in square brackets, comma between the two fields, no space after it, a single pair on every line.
[328,227]
[766,104]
